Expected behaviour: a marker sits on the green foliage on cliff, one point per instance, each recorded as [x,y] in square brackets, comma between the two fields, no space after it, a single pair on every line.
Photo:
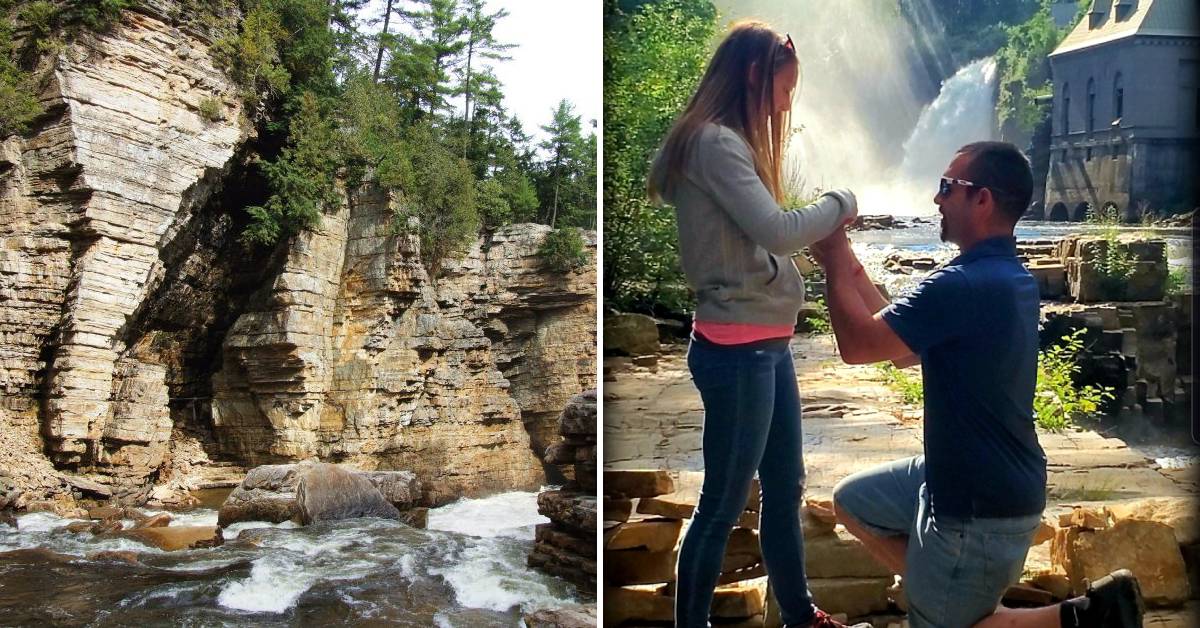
[18,105]
[654,55]
[438,201]
[563,251]
[1025,69]
[302,179]
[1024,66]
[388,115]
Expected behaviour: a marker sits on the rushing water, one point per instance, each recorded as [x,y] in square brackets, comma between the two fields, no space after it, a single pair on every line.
[873,247]
[467,570]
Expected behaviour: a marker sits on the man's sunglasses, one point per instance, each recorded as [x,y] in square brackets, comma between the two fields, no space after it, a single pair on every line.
[947,184]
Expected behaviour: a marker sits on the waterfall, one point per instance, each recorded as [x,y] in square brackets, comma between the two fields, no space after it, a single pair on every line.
[862,118]
[963,112]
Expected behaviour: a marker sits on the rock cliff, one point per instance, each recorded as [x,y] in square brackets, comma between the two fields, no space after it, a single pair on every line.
[140,340]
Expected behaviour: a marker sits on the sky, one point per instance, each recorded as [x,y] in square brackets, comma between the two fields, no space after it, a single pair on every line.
[558,55]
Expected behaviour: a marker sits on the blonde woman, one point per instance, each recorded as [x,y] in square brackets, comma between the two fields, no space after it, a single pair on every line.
[720,167]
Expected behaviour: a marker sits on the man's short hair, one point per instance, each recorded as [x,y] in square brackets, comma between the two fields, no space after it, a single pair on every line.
[1004,170]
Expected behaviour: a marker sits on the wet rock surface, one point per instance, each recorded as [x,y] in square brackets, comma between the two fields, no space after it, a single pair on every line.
[566,547]
[308,492]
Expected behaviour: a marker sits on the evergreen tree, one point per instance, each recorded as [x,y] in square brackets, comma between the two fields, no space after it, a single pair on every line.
[564,147]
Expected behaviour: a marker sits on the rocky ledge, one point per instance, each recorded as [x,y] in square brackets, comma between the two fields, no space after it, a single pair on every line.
[566,547]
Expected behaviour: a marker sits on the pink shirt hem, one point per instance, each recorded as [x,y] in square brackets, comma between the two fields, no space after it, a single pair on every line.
[740,333]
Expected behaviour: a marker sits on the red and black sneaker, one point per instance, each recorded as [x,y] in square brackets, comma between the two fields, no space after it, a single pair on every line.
[823,620]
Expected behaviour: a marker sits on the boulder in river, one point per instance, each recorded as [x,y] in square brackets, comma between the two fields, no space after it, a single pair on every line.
[327,492]
[271,493]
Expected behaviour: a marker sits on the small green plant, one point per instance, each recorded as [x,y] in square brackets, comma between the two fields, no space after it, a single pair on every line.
[910,387]
[1115,262]
[562,251]
[819,324]
[1100,492]
[1057,401]
[211,109]
[1177,282]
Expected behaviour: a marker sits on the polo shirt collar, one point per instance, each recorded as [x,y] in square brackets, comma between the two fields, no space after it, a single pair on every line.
[999,246]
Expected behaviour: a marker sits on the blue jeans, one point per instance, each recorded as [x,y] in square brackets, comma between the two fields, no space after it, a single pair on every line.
[751,423]
[956,569]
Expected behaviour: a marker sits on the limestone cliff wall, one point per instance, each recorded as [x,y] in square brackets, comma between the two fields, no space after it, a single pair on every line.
[138,338]
[353,354]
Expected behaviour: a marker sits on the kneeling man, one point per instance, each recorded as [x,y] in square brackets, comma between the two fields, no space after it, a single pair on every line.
[957,522]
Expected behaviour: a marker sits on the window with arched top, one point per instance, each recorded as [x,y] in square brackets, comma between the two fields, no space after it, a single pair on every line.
[1066,108]
[1118,97]
[1091,105]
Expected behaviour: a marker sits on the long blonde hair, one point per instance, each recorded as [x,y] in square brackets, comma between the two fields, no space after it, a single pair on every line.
[725,96]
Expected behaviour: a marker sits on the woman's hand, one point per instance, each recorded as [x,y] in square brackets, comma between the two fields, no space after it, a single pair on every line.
[849,204]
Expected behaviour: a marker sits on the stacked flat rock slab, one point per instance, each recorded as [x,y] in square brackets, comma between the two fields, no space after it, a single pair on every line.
[1148,537]
[1141,350]
[566,547]
[645,515]
[1083,257]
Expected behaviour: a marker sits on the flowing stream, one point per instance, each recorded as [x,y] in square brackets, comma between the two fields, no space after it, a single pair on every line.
[466,570]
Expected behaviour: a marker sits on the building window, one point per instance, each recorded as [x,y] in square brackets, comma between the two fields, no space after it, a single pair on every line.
[1089,153]
[1091,105]
[1118,97]
[1066,109]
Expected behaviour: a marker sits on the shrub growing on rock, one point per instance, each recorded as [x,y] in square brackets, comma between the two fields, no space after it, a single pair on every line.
[562,250]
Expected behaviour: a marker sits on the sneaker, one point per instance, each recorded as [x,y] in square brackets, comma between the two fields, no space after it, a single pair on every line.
[1116,600]
[823,620]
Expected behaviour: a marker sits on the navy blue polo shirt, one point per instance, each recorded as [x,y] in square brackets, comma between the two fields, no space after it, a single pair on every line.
[975,325]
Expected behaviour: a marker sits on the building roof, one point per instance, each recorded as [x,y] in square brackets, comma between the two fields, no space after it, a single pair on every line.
[1170,18]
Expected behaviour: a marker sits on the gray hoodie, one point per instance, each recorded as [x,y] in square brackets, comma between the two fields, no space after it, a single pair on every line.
[735,242]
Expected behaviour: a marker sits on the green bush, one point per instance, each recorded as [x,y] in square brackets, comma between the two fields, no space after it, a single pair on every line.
[439,197]
[1025,70]
[492,202]
[1177,281]
[97,15]
[211,109]
[251,58]
[1058,401]
[18,103]
[1115,264]
[820,323]
[907,384]
[302,179]
[563,251]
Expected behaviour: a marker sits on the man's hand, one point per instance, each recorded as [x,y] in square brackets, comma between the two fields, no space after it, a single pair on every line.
[833,250]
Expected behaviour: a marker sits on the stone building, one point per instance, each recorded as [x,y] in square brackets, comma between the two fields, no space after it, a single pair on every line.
[1125,117]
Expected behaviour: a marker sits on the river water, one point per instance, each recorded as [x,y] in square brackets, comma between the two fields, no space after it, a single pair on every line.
[873,247]
[466,570]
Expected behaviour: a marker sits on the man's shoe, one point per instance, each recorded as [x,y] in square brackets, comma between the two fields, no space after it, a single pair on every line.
[1115,601]
[823,620]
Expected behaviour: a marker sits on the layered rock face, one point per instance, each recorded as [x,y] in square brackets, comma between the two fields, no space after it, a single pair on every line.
[113,172]
[355,355]
[139,340]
